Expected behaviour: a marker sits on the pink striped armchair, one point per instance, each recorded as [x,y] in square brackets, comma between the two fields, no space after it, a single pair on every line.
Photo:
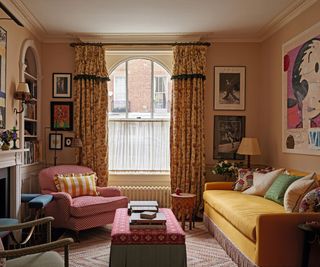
[81,212]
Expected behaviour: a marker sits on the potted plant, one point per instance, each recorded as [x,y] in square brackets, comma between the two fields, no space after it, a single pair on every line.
[229,170]
[5,137]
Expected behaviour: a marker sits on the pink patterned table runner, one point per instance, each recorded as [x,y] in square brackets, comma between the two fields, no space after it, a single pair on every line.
[121,233]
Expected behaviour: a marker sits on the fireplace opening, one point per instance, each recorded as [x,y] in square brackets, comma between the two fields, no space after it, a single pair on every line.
[4,193]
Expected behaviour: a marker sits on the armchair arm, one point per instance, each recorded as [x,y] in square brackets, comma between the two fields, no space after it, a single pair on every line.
[37,249]
[279,241]
[108,191]
[62,196]
[218,186]
[25,224]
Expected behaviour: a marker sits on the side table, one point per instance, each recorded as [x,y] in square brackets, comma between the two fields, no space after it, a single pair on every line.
[311,235]
[183,206]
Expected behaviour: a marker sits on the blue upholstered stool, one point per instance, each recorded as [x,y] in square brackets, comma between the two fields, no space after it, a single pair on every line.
[40,202]
[36,202]
[25,198]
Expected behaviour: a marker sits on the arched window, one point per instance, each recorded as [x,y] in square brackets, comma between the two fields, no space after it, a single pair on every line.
[139,94]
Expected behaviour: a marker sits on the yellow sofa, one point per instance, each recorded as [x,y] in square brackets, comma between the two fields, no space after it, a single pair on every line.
[253,230]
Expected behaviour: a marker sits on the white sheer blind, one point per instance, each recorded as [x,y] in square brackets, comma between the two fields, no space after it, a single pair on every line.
[139,145]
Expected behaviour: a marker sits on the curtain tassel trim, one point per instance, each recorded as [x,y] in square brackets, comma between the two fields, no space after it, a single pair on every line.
[90,77]
[188,76]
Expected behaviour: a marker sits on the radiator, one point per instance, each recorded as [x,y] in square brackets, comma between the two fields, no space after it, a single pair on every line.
[162,194]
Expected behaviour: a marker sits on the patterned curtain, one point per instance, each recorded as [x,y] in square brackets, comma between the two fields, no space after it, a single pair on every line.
[91,108]
[186,130]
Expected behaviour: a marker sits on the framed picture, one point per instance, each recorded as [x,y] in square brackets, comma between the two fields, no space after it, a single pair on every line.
[229,88]
[61,85]
[61,116]
[301,93]
[55,141]
[67,141]
[228,132]
[3,68]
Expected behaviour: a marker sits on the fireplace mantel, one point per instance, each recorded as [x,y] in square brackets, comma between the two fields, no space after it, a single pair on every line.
[13,159]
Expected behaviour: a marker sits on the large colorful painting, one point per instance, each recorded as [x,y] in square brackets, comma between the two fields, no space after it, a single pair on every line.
[3,59]
[61,116]
[301,93]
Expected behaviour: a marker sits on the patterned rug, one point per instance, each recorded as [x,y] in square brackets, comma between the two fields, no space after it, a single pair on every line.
[94,249]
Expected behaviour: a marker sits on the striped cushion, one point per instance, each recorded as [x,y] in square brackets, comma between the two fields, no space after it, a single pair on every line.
[76,184]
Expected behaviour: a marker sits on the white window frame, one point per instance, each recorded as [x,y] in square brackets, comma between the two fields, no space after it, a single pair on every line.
[163,92]
[116,92]
[151,118]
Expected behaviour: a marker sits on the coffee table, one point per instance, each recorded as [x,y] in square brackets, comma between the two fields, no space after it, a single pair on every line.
[147,247]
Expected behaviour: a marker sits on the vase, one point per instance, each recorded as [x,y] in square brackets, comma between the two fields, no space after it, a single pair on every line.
[5,146]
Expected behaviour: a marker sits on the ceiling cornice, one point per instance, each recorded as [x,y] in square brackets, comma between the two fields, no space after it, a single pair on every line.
[25,17]
[295,9]
[18,8]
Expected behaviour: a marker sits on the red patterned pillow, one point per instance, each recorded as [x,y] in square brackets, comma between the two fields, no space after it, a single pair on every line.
[264,170]
[244,181]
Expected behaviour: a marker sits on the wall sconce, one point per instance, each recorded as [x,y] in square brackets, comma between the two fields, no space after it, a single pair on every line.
[23,94]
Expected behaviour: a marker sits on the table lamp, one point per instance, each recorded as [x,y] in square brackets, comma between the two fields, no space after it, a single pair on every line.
[249,146]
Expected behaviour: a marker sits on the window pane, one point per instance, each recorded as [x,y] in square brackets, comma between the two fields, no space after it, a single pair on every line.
[117,92]
[139,145]
[162,92]
[139,88]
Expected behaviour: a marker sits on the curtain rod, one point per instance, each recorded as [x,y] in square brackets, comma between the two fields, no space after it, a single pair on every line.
[136,44]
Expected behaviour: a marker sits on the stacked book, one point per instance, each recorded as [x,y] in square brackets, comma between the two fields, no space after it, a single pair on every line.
[145,215]
[140,206]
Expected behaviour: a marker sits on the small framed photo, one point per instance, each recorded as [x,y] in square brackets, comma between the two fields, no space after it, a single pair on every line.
[61,116]
[67,141]
[55,141]
[228,132]
[61,85]
[229,88]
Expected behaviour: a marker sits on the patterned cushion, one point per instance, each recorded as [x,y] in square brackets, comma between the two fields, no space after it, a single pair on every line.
[262,182]
[244,181]
[85,206]
[245,177]
[297,190]
[278,188]
[76,184]
[311,201]
[264,170]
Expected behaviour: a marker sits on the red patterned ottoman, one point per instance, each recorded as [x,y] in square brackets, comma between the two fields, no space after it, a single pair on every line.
[147,247]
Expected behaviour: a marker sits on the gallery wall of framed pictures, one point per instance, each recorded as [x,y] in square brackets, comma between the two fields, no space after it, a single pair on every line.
[229,95]
[61,112]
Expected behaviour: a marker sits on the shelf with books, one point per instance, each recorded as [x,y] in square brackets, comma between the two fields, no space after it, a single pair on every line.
[30,118]
[32,155]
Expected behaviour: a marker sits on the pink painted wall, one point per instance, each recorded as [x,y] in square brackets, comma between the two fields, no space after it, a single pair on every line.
[56,58]
[263,91]
[233,54]
[270,105]
[16,35]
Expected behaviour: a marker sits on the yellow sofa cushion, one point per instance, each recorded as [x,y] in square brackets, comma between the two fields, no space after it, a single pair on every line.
[241,210]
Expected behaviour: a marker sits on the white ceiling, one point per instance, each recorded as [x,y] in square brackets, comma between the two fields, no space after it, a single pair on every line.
[228,19]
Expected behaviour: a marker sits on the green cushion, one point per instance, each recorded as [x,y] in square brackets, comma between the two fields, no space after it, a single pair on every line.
[278,188]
